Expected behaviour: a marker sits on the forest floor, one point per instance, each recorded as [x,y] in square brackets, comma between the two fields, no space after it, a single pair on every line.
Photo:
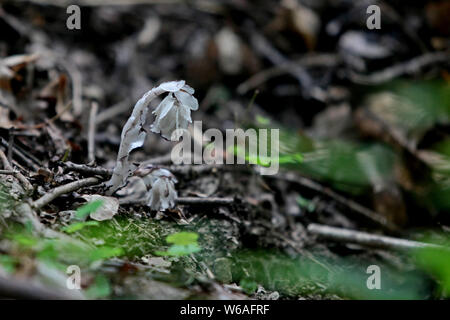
[364,181]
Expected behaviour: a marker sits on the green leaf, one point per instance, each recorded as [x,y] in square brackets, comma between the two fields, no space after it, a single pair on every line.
[88,208]
[180,250]
[105,253]
[77,226]
[248,286]
[262,120]
[436,262]
[8,263]
[183,238]
[184,243]
[25,240]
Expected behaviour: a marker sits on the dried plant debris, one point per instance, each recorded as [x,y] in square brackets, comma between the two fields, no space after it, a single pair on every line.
[108,209]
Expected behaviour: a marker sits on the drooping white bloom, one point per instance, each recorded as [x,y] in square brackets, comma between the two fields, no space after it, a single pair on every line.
[161,193]
[174,112]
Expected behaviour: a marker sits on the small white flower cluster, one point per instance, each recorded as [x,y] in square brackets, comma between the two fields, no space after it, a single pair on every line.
[174,111]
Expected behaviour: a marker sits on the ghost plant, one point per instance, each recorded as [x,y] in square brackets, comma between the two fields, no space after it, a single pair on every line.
[173,113]
[161,193]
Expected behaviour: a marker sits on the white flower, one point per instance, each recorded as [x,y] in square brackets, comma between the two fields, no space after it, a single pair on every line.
[162,193]
[174,111]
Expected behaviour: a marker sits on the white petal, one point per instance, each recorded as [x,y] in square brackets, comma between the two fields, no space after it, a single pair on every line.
[164,106]
[187,99]
[168,124]
[185,114]
[162,195]
[188,89]
[172,86]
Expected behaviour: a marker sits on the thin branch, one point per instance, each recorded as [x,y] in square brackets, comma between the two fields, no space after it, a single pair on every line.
[210,201]
[8,172]
[77,85]
[7,165]
[177,169]
[263,46]
[82,168]
[56,192]
[409,67]
[28,159]
[91,134]
[205,201]
[366,239]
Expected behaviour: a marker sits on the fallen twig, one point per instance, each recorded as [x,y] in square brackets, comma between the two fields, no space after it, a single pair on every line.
[366,239]
[82,168]
[91,134]
[205,201]
[8,172]
[56,192]
[28,159]
[409,67]
[217,201]
[7,165]
[77,87]
[296,70]
[179,169]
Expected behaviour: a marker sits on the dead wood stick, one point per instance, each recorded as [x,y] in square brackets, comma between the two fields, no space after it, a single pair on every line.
[8,172]
[309,89]
[180,169]
[77,85]
[56,192]
[82,168]
[217,201]
[91,134]
[409,67]
[205,201]
[7,165]
[366,239]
